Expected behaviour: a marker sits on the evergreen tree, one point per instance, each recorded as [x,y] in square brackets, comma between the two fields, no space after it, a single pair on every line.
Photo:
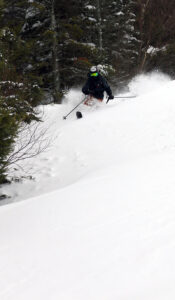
[121,37]
[156,25]
[17,94]
[78,52]
[12,21]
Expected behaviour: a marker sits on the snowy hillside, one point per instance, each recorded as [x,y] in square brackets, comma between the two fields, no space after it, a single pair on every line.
[101,223]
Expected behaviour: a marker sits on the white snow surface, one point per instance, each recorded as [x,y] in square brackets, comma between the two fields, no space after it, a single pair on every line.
[98,222]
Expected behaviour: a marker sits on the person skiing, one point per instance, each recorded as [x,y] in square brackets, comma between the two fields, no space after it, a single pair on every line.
[95,86]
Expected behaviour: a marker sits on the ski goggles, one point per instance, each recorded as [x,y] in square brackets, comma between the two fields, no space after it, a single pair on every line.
[94,74]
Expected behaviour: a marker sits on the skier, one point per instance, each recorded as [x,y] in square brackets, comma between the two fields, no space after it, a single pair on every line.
[95,87]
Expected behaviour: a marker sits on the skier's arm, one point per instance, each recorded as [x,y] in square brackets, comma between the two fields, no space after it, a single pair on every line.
[107,89]
[85,88]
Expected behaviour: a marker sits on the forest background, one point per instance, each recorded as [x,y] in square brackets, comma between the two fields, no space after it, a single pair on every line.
[47,47]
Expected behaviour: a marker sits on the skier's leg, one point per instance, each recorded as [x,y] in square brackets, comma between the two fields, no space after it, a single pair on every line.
[89,101]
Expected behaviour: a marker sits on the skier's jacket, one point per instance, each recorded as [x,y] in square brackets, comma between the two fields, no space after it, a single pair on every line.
[96,86]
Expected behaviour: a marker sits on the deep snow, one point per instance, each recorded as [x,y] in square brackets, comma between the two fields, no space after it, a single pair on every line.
[101,223]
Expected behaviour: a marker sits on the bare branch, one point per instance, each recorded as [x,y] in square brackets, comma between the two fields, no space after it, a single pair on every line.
[32,140]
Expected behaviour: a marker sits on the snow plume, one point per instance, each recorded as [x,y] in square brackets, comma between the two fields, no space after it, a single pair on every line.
[147,83]
[73,96]
[139,85]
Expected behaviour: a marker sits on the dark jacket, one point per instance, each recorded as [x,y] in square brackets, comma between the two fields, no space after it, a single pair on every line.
[96,86]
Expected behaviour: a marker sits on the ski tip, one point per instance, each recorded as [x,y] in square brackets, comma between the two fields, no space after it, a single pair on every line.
[79,115]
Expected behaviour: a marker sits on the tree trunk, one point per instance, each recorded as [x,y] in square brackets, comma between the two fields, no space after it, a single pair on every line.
[100,38]
[56,72]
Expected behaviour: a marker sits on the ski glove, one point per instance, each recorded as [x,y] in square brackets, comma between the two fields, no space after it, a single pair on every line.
[111,97]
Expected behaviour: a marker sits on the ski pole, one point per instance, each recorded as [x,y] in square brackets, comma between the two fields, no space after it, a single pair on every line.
[125,97]
[64,117]
[120,97]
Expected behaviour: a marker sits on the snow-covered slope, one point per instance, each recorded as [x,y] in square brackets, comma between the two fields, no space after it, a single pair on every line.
[103,226]
[112,133]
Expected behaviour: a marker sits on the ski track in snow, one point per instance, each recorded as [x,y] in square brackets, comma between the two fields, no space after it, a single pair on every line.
[101,224]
